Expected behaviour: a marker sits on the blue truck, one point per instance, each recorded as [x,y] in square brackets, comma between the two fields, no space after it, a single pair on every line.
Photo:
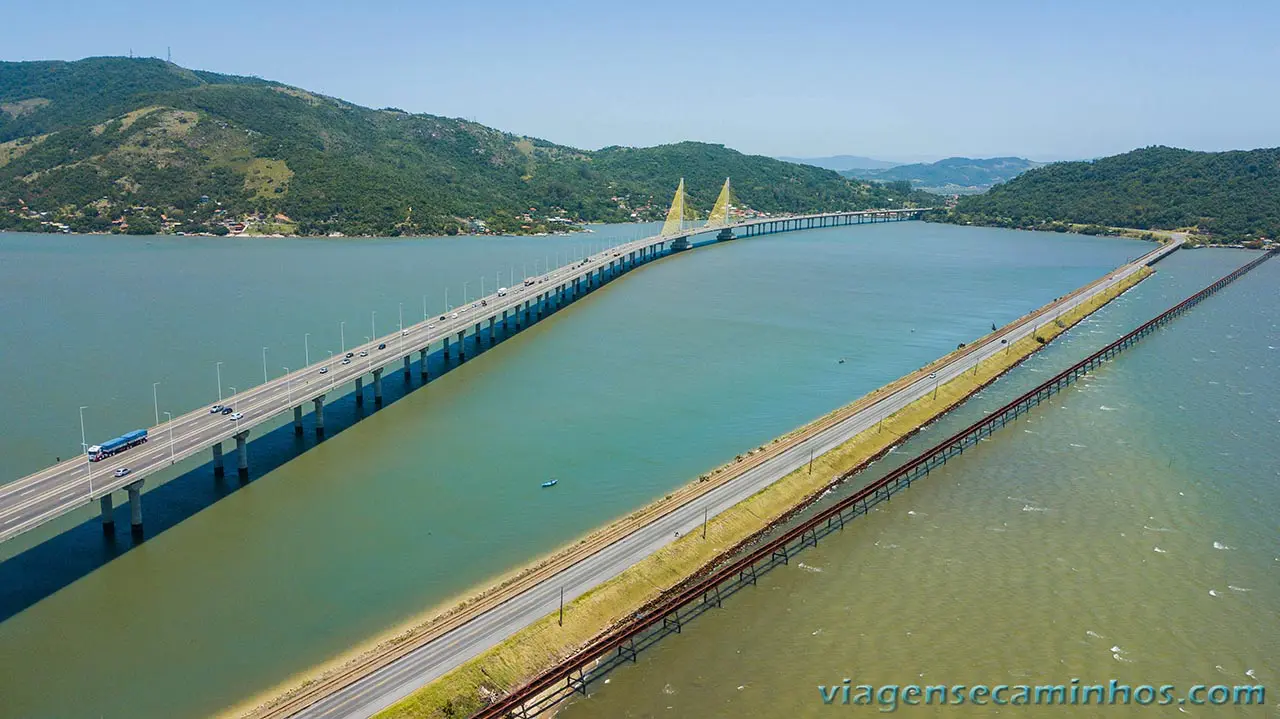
[116,446]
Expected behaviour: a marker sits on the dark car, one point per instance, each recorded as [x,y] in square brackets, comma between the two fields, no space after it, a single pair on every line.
[442,318]
[382,345]
[227,410]
[350,355]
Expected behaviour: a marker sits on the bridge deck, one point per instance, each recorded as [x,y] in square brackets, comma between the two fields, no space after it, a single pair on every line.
[54,491]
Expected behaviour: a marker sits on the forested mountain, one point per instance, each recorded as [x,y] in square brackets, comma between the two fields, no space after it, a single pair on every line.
[1227,196]
[954,175]
[106,143]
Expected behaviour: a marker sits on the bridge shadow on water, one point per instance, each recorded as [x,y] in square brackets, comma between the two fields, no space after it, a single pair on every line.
[42,570]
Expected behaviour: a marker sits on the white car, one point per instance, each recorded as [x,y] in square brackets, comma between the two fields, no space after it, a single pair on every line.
[324,370]
[236,416]
[346,360]
[404,332]
[431,326]
[215,409]
[454,316]
[364,353]
[122,471]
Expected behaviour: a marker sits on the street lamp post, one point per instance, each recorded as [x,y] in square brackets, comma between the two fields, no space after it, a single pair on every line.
[373,323]
[219,368]
[465,297]
[169,421]
[331,385]
[934,376]
[306,349]
[342,335]
[88,465]
[155,398]
[288,385]
[424,308]
[264,365]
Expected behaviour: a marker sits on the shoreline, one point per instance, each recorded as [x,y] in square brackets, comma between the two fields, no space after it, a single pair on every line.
[431,623]
[1191,239]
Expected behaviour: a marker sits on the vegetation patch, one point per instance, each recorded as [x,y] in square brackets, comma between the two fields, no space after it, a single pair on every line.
[300,94]
[518,659]
[23,107]
[13,149]
[265,178]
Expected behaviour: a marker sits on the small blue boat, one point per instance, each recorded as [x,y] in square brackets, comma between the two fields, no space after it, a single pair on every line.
[549,483]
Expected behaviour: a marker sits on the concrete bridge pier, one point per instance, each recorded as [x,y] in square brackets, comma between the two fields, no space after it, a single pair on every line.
[479,337]
[106,508]
[493,339]
[135,507]
[422,369]
[446,348]
[218,471]
[538,308]
[462,347]
[242,450]
[504,320]
[407,374]
[360,391]
[297,420]
[377,387]
[319,403]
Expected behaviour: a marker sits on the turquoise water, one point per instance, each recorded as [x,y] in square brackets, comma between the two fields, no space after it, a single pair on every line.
[1125,530]
[622,397]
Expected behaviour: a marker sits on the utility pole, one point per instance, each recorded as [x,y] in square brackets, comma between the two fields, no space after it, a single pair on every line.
[705,510]
[562,606]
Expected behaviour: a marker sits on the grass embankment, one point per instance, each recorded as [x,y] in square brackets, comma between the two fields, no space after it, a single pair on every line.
[544,643]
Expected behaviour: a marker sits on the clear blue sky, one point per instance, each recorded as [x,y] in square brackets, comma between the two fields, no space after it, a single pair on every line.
[895,80]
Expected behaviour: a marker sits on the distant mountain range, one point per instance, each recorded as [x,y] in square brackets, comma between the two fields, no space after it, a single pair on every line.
[952,176]
[142,145]
[842,162]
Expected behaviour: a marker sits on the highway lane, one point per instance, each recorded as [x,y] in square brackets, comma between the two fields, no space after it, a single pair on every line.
[64,487]
[383,687]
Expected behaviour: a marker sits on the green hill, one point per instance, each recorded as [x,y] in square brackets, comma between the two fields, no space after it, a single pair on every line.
[104,142]
[1227,196]
[954,175]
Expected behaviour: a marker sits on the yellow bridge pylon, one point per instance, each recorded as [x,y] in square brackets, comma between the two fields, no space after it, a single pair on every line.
[719,216]
[675,216]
